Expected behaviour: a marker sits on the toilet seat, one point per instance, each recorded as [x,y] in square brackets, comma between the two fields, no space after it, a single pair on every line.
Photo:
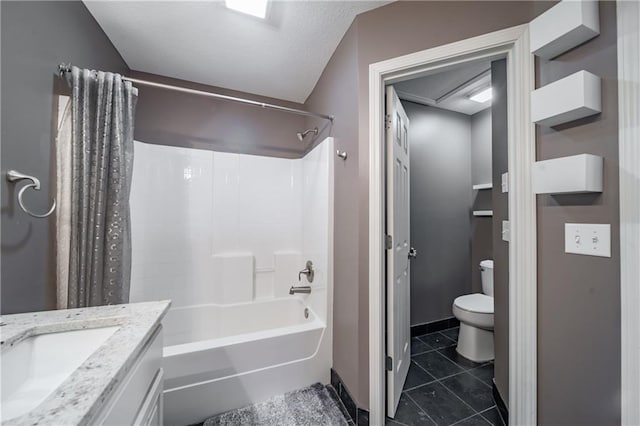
[475,310]
[475,303]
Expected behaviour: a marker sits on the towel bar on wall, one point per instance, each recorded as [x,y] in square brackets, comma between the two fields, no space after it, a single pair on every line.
[14,176]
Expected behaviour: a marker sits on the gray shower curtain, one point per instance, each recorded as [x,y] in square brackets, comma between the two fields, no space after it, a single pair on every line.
[100,164]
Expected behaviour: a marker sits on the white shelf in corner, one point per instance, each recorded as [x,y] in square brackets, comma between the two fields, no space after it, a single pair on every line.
[482,186]
[483,212]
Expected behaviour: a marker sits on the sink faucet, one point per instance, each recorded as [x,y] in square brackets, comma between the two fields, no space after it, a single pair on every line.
[305,289]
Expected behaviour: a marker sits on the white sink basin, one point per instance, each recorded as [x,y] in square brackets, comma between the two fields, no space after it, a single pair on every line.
[36,366]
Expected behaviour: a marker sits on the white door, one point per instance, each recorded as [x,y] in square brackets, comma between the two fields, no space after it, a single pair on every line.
[398,249]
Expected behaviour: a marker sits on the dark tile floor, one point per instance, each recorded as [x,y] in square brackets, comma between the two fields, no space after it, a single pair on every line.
[444,388]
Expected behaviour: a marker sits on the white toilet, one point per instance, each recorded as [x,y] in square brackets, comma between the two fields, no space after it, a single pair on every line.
[475,313]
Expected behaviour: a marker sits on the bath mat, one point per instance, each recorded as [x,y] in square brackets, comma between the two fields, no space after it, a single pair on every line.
[311,406]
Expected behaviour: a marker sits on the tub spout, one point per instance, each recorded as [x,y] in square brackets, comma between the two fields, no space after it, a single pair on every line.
[300,289]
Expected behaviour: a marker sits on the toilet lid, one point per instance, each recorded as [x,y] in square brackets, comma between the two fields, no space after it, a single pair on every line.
[476,302]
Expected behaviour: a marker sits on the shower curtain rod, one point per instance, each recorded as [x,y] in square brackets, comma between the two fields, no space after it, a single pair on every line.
[65,68]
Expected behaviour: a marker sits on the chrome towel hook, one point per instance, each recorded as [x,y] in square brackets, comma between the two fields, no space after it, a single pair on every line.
[14,176]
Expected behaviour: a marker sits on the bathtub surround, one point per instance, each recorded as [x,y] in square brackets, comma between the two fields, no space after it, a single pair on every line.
[243,227]
[94,182]
[84,394]
[309,406]
[227,249]
[36,37]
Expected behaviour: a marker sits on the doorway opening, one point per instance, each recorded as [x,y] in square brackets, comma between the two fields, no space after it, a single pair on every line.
[388,322]
[441,222]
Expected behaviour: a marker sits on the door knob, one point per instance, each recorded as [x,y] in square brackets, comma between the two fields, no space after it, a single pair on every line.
[413,253]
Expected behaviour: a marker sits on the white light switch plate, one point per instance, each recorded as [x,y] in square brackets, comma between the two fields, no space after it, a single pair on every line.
[587,239]
[505,182]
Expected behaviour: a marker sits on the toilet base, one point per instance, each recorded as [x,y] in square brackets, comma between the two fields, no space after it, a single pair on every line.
[475,343]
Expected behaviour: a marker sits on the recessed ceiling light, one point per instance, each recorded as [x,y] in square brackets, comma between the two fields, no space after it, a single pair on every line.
[257,8]
[482,96]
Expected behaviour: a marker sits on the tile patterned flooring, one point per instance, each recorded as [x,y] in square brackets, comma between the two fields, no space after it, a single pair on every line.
[444,388]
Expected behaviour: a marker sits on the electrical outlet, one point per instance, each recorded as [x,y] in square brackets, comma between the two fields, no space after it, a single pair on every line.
[587,239]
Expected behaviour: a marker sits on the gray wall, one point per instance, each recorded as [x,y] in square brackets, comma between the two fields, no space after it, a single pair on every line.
[337,93]
[396,29]
[36,37]
[400,28]
[500,248]
[172,118]
[579,296]
[440,143]
[481,226]
[481,147]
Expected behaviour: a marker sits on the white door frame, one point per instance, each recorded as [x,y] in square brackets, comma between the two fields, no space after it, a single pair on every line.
[514,44]
[628,20]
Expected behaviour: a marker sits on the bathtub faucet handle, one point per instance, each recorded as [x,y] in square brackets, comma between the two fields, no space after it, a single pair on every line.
[308,271]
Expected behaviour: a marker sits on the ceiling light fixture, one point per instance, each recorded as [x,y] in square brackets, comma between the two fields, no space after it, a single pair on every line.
[257,8]
[482,96]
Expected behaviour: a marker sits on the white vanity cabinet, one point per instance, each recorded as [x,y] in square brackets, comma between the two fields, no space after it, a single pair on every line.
[138,399]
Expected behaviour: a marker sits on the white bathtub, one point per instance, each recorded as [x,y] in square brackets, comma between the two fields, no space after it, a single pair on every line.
[217,358]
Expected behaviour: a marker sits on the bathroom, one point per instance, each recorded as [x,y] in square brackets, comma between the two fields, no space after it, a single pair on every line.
[218,317]
[452,201]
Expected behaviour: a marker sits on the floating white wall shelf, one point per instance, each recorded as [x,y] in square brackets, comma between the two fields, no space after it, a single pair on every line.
[483,212]
[568,175]
[573,97]
[482,186]
[564,26]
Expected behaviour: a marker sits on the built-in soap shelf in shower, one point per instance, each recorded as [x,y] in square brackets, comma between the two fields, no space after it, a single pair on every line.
[480,186]
[483,212]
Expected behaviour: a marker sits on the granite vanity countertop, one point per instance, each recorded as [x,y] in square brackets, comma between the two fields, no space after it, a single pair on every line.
[84,393]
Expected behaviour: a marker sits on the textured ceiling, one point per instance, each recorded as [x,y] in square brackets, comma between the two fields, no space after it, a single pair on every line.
[281,57]
[449,89]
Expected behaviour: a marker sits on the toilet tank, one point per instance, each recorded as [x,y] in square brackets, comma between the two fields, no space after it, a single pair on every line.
[486,273]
